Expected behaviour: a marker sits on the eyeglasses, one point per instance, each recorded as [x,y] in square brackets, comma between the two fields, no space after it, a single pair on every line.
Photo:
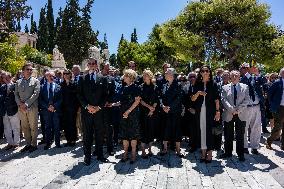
[92,63]
[192,77]
[204,71]
[29,69]
[66,73]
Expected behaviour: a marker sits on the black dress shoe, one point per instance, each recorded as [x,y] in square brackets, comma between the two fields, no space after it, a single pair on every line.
[32,149]
[94,153]
[41,142]
[242,158]
[102,159]
[254,151]
[111,153]
[58,146]
[223,156]
[265,131]
[246,151]
[46,147]
[87,161]
[26,148]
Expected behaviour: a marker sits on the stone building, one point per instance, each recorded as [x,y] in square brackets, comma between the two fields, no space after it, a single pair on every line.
[26,39]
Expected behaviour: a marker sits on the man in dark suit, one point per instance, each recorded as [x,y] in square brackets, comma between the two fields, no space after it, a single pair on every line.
[92,95]
[50,100]
[276,100]
[1,118]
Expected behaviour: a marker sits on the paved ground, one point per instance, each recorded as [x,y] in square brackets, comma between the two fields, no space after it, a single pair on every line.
[63,168]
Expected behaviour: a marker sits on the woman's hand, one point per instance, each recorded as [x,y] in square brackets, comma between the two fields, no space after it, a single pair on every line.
[150,113]
[151,108]
[202,93]
[217,116]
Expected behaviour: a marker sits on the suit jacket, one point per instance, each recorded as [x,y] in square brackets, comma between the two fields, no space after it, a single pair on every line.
[258,87]
[27,91]
[275,94]
[57,98]
[7,100]
[92,92]
[227,98]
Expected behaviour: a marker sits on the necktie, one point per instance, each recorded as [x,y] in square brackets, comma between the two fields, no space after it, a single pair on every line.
[235,95]
[50,99]
[251,89]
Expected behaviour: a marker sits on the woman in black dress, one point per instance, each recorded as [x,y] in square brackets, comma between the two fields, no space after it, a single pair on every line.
[149,102]
[172,106]
[129,126]
[70,107]
[207,106]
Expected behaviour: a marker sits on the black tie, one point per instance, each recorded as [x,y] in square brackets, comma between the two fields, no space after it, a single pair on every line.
[93,76]
[50,99]
[235,95]
[251,90]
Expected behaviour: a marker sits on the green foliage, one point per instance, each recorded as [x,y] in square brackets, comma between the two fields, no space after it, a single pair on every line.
[113,60]
[33,55]
[50,27]
[134,38]
[222,30]
[277,62]
[9,58]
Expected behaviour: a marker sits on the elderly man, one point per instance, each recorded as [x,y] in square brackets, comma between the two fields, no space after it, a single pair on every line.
[50,100]
[276,99]
[235,98]
[26,94]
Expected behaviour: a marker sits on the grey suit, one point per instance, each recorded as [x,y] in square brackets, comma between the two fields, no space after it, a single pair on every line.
[238,121]
[27,91]
[227,98]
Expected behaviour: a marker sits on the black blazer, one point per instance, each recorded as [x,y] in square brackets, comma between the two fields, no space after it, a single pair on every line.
[90,92]
[173,98]
[57,98]
[7,100]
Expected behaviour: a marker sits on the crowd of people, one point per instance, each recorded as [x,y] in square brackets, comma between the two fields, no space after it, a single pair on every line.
[136,110]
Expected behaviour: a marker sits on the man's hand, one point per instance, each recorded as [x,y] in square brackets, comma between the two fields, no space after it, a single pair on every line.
[91,109]
[166,109]
[23,107]
[125,115]
[51,108]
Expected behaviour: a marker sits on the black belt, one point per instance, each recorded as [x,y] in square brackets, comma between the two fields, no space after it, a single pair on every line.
[253,105]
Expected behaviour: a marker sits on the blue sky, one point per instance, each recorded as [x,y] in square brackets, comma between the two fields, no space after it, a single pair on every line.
[116,17]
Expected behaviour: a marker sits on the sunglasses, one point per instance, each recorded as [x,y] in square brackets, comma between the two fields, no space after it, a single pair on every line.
[29,69]
[204,71]
[191,77]
[92,63]
[66,73]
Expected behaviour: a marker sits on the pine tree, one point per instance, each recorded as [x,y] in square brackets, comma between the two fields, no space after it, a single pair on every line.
[50,26]
[58,24]
[26,28]
[12,11]
[134,38]
[42,43]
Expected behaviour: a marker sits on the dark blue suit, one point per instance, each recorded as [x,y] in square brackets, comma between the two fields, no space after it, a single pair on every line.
[275,93]
[51,119]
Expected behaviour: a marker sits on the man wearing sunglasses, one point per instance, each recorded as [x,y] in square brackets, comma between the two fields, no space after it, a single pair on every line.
[92,95]
[26,95]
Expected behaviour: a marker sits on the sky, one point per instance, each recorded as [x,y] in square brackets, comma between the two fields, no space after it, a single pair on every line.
[116,17]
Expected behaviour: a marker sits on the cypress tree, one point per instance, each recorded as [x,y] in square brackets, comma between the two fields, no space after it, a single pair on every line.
[50,26]
[134,38]
[26,28]
[42,43]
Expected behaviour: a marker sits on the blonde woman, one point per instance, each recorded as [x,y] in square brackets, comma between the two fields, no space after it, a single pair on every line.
[149,102]
[129,127]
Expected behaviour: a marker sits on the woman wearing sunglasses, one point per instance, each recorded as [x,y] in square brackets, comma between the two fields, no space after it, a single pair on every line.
[207,104]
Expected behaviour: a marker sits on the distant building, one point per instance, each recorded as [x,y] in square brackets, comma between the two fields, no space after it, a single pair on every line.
[26,39]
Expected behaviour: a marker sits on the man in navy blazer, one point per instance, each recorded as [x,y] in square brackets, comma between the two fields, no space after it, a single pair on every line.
[50,100]
[276,100]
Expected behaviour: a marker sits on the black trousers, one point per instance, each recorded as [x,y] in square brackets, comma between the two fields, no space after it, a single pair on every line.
[42,124]
[108,128]
[193,131]
[93,123]
[1,127]
[69,124]
[229,135]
